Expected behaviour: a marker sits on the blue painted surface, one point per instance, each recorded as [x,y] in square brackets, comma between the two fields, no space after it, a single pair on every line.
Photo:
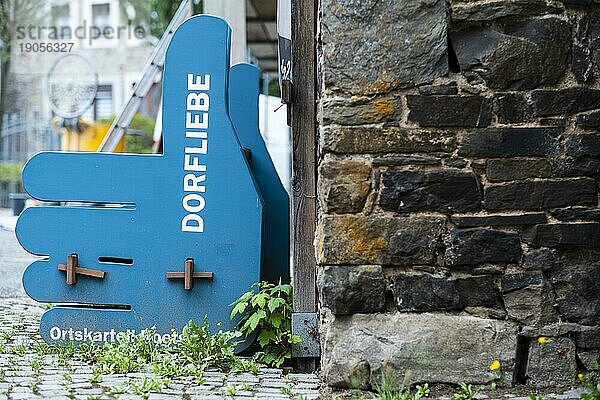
[148,229]
[243,109]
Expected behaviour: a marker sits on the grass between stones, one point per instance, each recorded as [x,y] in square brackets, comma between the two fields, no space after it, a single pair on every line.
[390,388]
[197,351]
[139,365]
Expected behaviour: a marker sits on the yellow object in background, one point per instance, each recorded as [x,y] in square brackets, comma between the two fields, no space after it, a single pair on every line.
[87,138]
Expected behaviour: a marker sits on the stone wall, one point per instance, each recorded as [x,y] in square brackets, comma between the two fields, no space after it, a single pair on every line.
[458,193]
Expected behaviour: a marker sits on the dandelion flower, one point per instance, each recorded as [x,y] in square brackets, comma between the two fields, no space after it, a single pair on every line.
[495,365]
[581,376]
[542,340]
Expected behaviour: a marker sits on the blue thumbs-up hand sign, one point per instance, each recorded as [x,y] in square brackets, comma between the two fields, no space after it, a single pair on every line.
[196,202]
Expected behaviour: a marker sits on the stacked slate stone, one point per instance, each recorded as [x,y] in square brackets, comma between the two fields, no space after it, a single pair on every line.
[458,190]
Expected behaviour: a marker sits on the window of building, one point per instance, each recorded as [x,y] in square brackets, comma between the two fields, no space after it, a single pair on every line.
[60,20]
[101,15]
[103,106]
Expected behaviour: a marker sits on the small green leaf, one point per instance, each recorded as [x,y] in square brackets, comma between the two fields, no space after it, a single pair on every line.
[260,300]
[243,298]
[268,358]
[294,339]
[266,286]
[275,302]
[239,308]
[276,320]
[287,289]
[265,337]
[255,318]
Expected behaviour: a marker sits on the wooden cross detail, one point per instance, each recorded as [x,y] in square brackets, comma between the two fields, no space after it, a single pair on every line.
[73,269]
[188,275]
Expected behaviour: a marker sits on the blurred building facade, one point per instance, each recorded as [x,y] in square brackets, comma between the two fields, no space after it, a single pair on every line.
[119,60]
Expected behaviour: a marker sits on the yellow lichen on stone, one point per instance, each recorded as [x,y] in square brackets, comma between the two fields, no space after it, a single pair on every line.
[384,107]
[377,87]
[361,242]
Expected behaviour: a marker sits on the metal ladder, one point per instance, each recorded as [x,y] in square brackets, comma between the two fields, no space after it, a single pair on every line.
[151,70]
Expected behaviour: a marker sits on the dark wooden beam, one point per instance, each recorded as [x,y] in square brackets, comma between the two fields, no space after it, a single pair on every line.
[260,20]
[304,165]
[262,41]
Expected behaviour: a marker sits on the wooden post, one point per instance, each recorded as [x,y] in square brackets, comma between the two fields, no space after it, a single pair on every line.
[72,262]
[304,163]
[73,269]
[189,274]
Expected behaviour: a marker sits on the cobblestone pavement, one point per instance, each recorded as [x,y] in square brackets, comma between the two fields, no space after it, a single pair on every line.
[27,374]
